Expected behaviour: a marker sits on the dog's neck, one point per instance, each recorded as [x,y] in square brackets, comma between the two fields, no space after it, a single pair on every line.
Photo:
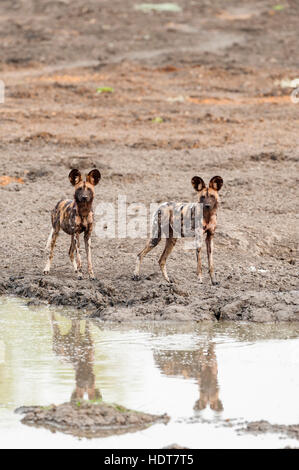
[83,208]
[210,214]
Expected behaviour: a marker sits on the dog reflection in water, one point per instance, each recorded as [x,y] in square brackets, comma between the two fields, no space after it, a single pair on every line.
[77,349]
[200,365]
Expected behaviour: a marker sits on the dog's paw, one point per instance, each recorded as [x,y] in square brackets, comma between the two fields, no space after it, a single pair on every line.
[136,277]
[46,272]
[80,277]
[215,283]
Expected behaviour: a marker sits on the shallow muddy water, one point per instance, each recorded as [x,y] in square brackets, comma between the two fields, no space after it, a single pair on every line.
[210,378]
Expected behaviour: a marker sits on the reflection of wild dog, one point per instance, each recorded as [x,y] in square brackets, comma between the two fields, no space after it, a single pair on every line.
[200,365]
[74,217]
[165,222]
[77,348]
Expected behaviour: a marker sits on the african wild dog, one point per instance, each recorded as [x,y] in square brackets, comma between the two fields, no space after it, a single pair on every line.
[74,217]
[170,215]
[76,347]
[200,365]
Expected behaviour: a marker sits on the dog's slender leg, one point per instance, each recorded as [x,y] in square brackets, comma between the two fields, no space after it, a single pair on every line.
[199,266]
[87,241]
[210,249]
[48,244]
[151,243]
[149,247]
[78,257]
[72,251]
[169,246]
[51,245]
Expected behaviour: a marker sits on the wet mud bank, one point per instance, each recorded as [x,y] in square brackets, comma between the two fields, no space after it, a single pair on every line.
[83,419]
[161,302]
[262,427]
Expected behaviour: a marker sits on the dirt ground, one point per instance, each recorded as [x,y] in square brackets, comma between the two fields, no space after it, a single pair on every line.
[196,92]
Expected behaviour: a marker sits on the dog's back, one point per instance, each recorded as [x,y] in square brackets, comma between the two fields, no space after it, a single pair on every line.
[177,220]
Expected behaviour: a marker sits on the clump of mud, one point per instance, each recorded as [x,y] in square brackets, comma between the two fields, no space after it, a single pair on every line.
[261,427]
[86,419]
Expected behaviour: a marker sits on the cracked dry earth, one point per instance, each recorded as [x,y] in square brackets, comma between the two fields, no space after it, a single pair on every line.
[212,77]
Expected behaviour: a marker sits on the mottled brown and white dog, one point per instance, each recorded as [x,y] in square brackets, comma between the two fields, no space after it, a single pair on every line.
[170,216]
[75,216]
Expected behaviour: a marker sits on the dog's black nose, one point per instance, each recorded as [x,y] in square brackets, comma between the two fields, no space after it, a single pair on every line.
[207,206]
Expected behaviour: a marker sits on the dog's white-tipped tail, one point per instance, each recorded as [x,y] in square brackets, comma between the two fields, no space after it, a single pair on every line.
[48,245]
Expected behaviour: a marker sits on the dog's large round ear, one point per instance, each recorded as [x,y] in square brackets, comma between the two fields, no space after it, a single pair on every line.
[75,177]
[216,183]
[198,183]
[93,177]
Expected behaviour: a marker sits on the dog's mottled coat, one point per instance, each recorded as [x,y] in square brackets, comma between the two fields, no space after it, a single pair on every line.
[169,222]
[75,216]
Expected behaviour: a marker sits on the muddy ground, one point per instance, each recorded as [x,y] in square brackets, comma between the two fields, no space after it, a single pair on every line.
[261,427]
[211,75]
[84,419]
